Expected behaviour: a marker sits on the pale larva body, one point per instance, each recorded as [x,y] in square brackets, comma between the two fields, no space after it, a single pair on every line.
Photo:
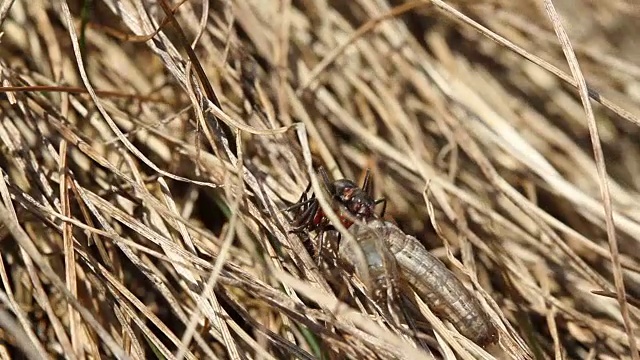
[436,285]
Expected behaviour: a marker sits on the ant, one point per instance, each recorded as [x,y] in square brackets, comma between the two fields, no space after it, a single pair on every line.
[349,200]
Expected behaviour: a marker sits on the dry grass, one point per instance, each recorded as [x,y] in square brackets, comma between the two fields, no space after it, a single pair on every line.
[144,182]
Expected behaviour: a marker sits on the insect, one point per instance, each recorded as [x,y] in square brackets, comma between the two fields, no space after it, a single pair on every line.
[350,201]
[441,290]
[392,257]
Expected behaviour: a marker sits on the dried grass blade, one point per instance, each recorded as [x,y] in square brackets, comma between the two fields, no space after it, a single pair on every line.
[25,242]
[602,172]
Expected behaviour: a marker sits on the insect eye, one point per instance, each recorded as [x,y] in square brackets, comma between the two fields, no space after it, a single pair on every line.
[344,188]
[346,194]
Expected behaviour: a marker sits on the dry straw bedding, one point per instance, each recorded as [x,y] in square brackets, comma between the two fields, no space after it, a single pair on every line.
[149,147]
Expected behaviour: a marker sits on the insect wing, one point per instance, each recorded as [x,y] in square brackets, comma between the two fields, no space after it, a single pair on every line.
[377,266]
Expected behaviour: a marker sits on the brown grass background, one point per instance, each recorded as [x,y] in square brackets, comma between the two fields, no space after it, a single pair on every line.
[148,148]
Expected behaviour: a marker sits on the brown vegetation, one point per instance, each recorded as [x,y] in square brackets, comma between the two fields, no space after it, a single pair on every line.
[147,150]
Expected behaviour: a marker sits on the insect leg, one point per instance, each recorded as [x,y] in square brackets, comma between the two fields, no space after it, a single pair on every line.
[305,218]
[304,193]
[319,246]
[384,205]
[299,204]
[326,248]
[302,201]
[412,330]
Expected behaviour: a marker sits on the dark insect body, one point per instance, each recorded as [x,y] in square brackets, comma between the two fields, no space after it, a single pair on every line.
[350,202]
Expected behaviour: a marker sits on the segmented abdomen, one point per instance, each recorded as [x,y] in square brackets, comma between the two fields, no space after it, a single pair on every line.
[439,288]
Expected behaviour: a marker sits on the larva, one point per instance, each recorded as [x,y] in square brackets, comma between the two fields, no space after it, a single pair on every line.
[439,288]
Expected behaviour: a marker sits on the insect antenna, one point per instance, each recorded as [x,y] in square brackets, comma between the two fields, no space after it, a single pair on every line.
[384,206]
[367,186]
[327,182]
